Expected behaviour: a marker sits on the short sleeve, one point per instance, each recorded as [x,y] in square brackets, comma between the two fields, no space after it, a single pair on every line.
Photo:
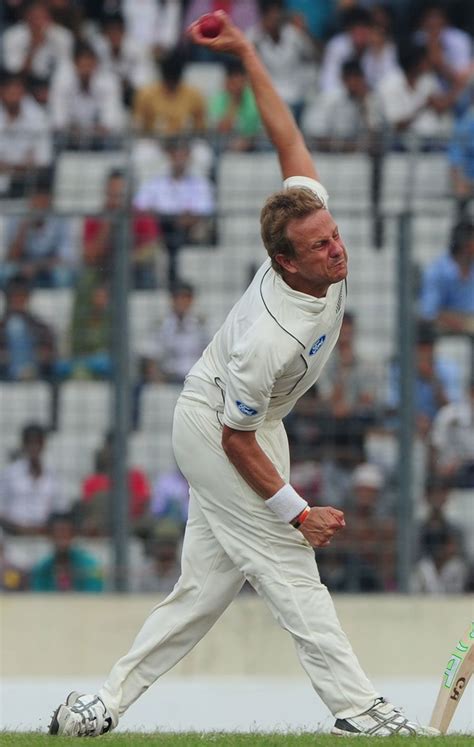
[251,373]
[311,184]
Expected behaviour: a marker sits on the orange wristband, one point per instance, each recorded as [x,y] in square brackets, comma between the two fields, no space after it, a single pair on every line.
[297,522]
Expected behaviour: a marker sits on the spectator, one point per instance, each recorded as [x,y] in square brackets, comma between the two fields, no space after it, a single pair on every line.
[163,568]
[447,291]
[86,98]
[347,117]
[184,202]
[123,56]
[27,344]
[380,57]
[36,45]
[449,49]
[25,142]
[68,568]
[170,497]
[461,158]
[99,239]
[155,26]
[411,98]
[12,577]
[453,442]
[233,111]
[90,338]
[96,494]
[29,491]
[40,245]
[38,87]
[441,568]
[284,49]
[437,380]
[317,18]
[352,43]
[68,14]
[178,342]
[169,107]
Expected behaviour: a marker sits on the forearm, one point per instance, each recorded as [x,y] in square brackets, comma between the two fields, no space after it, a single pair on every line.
[251,462]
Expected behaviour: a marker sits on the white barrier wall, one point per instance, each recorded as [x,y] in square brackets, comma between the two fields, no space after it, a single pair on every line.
[62,635]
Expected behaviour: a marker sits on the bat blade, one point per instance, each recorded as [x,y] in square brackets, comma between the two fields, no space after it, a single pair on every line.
[457,674]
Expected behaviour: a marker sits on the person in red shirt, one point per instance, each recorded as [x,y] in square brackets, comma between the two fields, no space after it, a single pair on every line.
[95,505]
[98,238]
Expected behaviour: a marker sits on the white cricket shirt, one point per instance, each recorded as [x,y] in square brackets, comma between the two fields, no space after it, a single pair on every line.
[270,349]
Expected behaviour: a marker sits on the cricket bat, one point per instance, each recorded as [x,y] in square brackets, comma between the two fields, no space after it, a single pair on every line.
[456,676]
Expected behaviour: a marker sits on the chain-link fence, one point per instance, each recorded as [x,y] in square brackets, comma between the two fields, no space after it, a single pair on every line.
[117,268]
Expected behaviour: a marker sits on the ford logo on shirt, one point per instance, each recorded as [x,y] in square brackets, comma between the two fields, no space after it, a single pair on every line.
[245,409]
[315,347]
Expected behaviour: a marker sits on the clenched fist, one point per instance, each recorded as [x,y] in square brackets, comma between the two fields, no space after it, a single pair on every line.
[321,525]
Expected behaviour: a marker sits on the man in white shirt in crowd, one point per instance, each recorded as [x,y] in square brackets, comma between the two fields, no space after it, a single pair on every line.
[29,491]
[351,43]
[25,138]
[184,202]
[450,49]
[36,45]
[85,98]
[246,522]
[411,98]
[154,25]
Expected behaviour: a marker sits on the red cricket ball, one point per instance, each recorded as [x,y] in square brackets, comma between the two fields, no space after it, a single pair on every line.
[210,25]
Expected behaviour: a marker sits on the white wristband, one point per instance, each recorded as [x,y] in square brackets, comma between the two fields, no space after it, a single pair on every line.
[286,503]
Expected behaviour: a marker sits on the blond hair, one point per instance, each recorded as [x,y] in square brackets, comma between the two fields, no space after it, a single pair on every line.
[281,208]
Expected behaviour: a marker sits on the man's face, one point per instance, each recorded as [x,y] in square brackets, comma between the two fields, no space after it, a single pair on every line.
[434,22]
[12,95]
[86,65]
[62,535]
[236,83]
[355,85]
[115,193]
[115,33]
[321,257]
[182,302]
[33,446]
[38,18]
[360,36]
[17,300]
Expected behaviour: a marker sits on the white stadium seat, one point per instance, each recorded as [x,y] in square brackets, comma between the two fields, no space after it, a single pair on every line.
[157,407]
[85,407]
[80,179]
[22,403]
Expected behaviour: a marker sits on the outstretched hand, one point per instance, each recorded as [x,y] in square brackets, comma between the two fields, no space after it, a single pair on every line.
[231,39]
[321,525]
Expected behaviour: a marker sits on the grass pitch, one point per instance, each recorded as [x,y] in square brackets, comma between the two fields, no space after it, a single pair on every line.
[35,739]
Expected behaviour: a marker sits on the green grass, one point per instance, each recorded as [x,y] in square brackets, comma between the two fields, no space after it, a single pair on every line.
[34,739]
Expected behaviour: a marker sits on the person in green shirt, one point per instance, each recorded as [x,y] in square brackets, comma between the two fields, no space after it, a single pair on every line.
[233,111]
[68,568]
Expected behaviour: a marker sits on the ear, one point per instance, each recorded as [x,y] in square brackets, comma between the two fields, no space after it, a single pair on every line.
[287,263]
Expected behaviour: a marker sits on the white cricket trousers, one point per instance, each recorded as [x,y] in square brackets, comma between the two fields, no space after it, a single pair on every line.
[231,536]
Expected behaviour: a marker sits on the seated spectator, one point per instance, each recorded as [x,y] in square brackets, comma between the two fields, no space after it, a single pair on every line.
[447,290]
[27,344]
[317,18]
[461,158]
[169,107]
[184,202]
[99,239]
[163,567]
[36,45]
[170,498]
[25,139]
[437,380]
[411,98]
[95,509]
[348,117]
[123,56]
[155,26]
[380,57]
[86,98]
[284,49]
[366,551]
[68,568]
[449,48]
[233,111]
[12,578]
[68,14]
[177,343]
[40,245]
[442,568]
[29,490]
[90,337]
[452,439]
[350,44]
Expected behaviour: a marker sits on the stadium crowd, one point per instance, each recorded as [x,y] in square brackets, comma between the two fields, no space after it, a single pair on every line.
[359,77]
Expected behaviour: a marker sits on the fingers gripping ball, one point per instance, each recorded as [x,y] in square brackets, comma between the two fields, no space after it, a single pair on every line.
[210,25]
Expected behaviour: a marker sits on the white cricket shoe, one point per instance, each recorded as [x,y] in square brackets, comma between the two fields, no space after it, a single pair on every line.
[81,716]
[381,720]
